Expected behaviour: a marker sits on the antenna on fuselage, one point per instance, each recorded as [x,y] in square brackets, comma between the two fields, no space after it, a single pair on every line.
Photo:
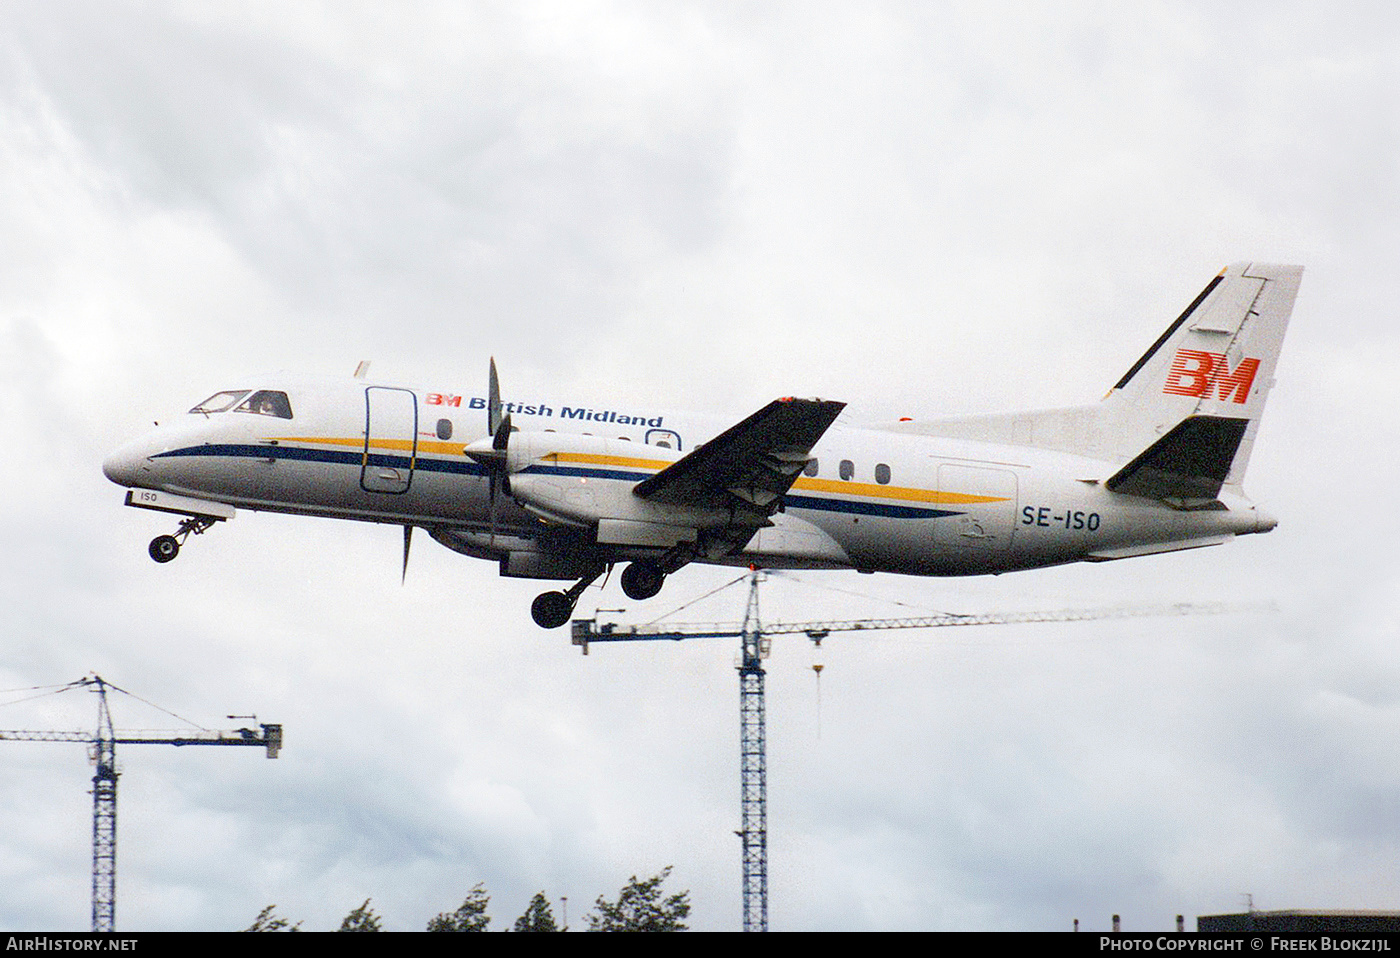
[362,370]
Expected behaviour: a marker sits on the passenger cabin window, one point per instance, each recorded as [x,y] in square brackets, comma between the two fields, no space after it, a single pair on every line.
[221,401]
[848,469]
[444,429]
[882,474]
[811,468]
[267,402]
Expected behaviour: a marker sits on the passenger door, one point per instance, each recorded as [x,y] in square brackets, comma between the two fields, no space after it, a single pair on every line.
[391,439]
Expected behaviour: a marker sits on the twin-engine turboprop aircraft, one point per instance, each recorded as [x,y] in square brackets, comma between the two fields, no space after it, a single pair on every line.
[551,490]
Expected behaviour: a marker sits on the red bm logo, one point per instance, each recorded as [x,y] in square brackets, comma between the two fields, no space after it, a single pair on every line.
[1197,373]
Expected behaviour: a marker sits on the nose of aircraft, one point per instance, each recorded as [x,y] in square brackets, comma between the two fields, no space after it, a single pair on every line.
[126,465]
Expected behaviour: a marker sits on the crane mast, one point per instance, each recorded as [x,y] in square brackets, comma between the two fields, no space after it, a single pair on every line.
[104,818]
[753,767]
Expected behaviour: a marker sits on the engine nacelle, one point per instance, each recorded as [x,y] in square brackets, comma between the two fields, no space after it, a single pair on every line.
[587,481]
[522,557]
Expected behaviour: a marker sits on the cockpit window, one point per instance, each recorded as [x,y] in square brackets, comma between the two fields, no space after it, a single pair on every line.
[267,402]
[220,402]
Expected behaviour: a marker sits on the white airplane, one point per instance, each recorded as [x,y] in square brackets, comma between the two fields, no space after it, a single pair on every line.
[554,490]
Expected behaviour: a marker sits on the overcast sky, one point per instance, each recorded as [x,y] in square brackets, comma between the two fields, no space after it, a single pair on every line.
[921,209]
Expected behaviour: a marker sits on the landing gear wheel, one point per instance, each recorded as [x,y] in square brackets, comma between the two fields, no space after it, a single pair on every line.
[551,609]
[164,548]
[642,580]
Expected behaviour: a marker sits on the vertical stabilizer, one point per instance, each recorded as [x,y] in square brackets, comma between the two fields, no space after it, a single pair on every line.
[1184,417]
[1217,360]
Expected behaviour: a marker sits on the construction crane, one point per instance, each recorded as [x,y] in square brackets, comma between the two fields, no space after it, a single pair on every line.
[104,781]
[753,760]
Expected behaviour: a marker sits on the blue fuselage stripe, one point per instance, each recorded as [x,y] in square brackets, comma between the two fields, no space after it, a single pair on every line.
[467,467]
[585,472]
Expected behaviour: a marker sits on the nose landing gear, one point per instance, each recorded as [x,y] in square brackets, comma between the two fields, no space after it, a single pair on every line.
[165,548]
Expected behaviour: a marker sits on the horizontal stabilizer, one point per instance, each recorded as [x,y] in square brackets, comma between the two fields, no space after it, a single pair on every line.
[1190,462]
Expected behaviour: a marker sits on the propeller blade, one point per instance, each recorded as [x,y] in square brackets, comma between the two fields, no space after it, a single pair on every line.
[493,401]
[501,437]
[407,541]
[498,427]
[491,506]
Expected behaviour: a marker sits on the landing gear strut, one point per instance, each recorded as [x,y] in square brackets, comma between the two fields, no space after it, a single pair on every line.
[552,609]
[165,548]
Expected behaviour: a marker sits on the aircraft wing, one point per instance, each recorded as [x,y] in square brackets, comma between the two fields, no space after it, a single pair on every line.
[756,461]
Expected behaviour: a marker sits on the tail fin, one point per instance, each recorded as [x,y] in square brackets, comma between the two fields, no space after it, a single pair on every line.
[1185,415]
[1196,396]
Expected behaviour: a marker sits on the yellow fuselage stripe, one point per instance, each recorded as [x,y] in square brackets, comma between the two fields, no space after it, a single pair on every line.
[841,487]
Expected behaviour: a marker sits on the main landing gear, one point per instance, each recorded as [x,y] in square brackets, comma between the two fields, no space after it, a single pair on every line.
[642,580]
[165,548]
[552,609]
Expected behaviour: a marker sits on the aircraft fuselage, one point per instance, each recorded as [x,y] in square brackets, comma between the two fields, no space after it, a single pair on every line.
[879,501]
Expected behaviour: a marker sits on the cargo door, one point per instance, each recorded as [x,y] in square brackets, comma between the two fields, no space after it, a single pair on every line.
[986,502]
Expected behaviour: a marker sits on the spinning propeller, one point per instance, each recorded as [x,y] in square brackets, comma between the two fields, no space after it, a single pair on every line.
[493,457]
